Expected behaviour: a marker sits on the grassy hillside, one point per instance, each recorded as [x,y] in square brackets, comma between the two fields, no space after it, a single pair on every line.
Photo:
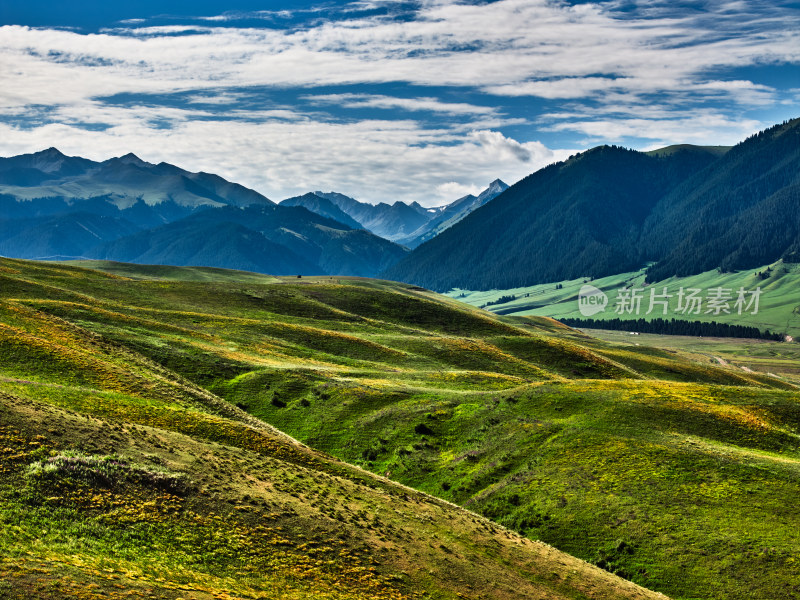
[171,273]
[677,474]
[119,477]
[779,306]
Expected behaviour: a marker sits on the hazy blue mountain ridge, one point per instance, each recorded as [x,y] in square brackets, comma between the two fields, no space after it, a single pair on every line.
[452,213]
[127,209]
[390,221]
[280,240]
[322,206]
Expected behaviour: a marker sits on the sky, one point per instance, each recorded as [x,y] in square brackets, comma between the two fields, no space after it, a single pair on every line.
[386,100]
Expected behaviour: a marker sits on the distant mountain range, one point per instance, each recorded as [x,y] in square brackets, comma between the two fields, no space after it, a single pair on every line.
[389,221]
[449,215]
[126,183]
[268,239]
[407,224]
[55,206]
[686,209]
[324,207]
[682,210]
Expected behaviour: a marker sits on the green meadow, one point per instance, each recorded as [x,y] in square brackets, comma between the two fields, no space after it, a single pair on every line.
[206,434]
[778,310]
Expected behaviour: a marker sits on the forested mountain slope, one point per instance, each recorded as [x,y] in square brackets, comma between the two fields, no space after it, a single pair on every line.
[609,210]
[582,217]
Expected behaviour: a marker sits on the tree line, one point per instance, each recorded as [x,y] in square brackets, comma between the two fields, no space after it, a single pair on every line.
[676,327]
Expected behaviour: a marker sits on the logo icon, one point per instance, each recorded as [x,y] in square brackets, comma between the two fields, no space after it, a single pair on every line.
[591,300]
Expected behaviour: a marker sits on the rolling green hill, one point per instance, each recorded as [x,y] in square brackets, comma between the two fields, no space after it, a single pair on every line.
[676,474]
[122,478]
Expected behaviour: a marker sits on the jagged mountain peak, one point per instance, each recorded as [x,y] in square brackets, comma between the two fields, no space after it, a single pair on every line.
[495,188]
[47,161]
[131,159]
[497,184]
[444,217]
[317,203]
[51,152]
[121,181]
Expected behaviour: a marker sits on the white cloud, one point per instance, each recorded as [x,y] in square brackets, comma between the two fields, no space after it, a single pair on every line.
[219,98]
[652,73]
[542,48]
[500,145]
[569,87]
[693,128]
[409,104]
[452,190]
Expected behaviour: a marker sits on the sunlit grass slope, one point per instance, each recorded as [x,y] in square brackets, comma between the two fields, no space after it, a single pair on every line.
[121,478]
[678,474]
